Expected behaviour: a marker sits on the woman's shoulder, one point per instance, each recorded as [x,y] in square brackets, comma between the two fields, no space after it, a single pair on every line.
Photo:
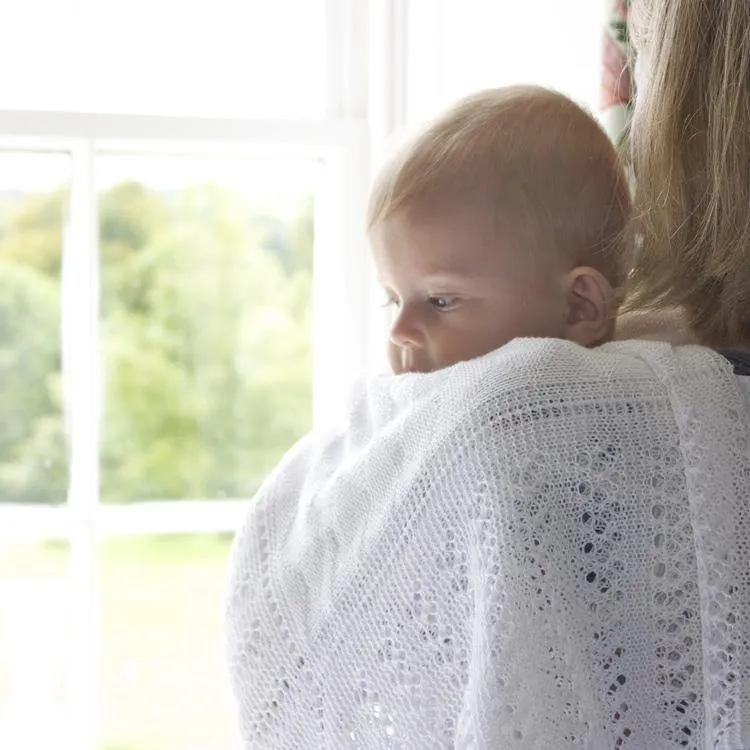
[526,373]
[560,361]
[542,364]
[529,375]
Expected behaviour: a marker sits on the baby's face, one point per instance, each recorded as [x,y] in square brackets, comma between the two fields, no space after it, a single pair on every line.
[458,289]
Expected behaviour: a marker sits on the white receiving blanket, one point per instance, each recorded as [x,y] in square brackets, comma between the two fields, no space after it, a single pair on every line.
[548,547]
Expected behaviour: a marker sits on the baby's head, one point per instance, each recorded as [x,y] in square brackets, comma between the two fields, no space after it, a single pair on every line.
[507,217]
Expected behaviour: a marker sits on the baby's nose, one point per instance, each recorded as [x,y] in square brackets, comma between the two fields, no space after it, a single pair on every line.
[406,331]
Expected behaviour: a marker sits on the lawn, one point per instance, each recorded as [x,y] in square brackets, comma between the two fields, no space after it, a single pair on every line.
[162,656]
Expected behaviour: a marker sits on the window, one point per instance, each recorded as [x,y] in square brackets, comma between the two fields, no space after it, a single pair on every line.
[206,310]
[34,188]
[455,47]
[36,634]
[185,290]
[222,58]
[175,267]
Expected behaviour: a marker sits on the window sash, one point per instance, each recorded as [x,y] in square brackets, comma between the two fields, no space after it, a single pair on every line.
[339,278]
[341,287]
[144,518]
[46,130]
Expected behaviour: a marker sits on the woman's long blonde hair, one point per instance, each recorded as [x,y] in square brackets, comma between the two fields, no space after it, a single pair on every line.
[691,156]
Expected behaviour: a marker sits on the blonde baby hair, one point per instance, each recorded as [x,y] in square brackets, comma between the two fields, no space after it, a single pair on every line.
[534,160]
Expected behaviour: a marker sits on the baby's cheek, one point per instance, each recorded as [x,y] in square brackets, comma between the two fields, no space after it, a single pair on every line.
[473,344]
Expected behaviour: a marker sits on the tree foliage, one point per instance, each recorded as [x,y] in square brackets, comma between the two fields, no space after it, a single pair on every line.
[205,337]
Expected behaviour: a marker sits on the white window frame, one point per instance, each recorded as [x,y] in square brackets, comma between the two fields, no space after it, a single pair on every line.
[369,97]
[344,324]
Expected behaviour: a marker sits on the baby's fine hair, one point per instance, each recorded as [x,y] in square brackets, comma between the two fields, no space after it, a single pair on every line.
[534,160]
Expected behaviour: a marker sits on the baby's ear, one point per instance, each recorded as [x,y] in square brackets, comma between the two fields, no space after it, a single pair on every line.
[590,306]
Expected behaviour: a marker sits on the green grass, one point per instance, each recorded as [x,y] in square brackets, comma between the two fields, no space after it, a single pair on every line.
[163,685]
[24,560]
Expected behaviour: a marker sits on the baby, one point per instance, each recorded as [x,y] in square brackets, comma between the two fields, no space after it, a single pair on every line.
[508,217]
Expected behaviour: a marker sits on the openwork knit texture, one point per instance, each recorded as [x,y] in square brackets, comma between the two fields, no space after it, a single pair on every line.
[548,547]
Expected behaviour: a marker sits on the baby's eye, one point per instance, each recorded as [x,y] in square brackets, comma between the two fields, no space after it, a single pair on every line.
[389,301]
[443,303]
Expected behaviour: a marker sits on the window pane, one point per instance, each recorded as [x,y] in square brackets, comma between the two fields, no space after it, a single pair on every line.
[34,643]
[203,57]
[206,273]
[457,47]
[33,201]
[163,677]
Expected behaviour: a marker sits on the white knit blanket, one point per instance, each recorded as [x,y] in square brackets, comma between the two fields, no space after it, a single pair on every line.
[545,548]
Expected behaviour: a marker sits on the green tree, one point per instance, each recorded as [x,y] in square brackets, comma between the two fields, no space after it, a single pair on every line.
[130,217]
[31,231]
[205,324]
[33,461]
[224,339]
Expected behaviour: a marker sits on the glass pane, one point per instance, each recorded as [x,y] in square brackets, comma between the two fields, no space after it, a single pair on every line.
[457,47]
[206,272]
[33,201]
[35,638]
[163,677]
[165,57]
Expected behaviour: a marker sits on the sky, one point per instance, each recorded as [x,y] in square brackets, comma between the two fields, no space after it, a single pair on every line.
[238,58]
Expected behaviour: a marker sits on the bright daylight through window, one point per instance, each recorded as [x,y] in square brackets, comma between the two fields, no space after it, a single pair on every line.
[183,290]
[169,173]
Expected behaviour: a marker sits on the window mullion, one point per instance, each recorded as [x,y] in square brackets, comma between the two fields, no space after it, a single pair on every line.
[341,287]
[43,130]
[82,384]
[387,116]
[348,50]
[340,282]
[396,62]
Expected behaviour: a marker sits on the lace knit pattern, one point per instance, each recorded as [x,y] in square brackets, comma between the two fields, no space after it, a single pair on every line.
[544,548]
